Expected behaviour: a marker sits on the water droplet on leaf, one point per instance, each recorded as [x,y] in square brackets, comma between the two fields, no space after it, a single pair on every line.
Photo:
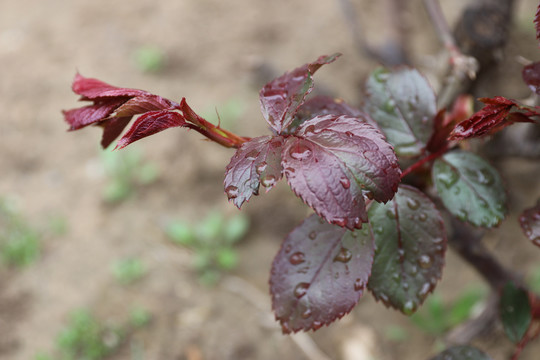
[358,285]
[345,182]
[344,255]
[306,314]
[340,222]
[413,204]
[425,261]
[261,167]
[448,178]
[422,217]
[231,191]
[252,155]
[288,249]
[409,307]
[297,258]
[300,152]
[390,214]
[312,235]
[268,181]
[301,289]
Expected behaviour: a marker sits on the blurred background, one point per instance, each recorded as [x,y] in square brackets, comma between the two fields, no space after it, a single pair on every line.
[136,254]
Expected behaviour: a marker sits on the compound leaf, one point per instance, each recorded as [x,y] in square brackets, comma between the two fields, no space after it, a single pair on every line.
[319,274]
[410,244]
[257,161]
[470,188]
[142,104]
[462,352]
[94,89]
[281,97]
[530,223]
[332,162]
[403,104]
[515,311]
[150,123]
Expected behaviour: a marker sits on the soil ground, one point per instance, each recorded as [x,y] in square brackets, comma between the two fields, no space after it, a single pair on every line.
[212,50]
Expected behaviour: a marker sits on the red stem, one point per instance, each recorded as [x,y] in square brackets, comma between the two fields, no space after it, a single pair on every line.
[424,160]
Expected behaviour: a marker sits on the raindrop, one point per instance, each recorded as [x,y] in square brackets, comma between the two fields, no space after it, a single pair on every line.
[310,129]
[340,222]
[485,177]
[437,240]
[401,253]
[345,182]
[231,191]
[379,230]
[297,258]
[268,181]
[301,289]
[368,194]
[462,215]
[405,286]
[252,155]
[312,235]
[316,325]
[359,285]
[300,152]
[483,203]
[384,298]
[349,134]
[306,314]
[422,217]
[424,290]
[389,106]
[448,178]
[425,261]
[414,270]
[409,307]
[288,249]
[344,255]
[413,204]
[390,214]
[261,167]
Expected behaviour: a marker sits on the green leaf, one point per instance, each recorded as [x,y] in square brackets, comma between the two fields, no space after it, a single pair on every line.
[462,352]
[410,244]
[470,188]
[403,104]
[515,311]
[180,233]
[227,258]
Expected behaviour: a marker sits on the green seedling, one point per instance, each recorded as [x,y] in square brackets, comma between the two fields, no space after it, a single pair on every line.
[125,171]
[19,242]
[129,270]
[436,317]
[149,59]
[212,242]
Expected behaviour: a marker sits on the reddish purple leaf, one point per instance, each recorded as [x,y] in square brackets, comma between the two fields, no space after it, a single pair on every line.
[112,129]
[537,22]
[81,117]
[492,118]
[410,244]
[281,97]
[150,123]
[333,162]
[319,274]
[531,76]
[94,89]
[530,223]
[258,161]
[142,104]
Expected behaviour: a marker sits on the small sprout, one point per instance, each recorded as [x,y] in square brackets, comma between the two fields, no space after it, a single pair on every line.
[149,59]
[129,270]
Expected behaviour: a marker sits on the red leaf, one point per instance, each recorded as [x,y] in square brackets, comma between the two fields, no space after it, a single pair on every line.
[142,104]
[537,22]
[332,162]
[190,115]
[112,129]
[492,118]
[411,241]
[81,117]
[257,161]
[319,274]
[150,123]
[281,97]
[530,223]
[93,89]
[531,76]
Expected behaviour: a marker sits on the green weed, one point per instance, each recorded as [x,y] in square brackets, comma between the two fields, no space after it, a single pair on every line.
[129,270]
[212,242]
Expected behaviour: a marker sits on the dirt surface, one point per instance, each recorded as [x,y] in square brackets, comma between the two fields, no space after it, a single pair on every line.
[212,50]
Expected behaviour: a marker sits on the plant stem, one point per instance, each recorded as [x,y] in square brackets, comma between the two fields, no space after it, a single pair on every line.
[424,160]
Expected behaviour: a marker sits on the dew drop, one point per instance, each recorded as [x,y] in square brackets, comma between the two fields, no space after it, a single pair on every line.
[358,285]
[413,204]
[401,253]
[390,214]
[345,182]
[424,290]
[405,286]
[231,191]
[414,270]
[252,155]
[261,167]
[310,129]
[316,325]
[297,258]
[340,222]
[301,289]
[384,298]
[379,230]
[312,235]
[368,194]
[462,215]
[306,314]
[437,240]
[344,255]
[483,203]
[409,307]
[425,261]
[422,217]
[485,177]
[349,134]
[300,152]
[268,181]
[389,106]
[288,249]
[448,179]
[285,328]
